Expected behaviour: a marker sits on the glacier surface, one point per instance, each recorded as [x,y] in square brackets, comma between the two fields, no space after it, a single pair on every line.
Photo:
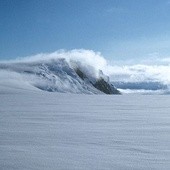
[47,131]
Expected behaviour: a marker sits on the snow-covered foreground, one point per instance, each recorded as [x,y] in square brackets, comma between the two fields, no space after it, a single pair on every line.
[53,131]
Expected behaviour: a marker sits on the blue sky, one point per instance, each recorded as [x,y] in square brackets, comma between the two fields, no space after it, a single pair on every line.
[119,29]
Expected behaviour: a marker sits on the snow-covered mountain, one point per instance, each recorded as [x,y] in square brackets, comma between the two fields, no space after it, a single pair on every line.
[56,75]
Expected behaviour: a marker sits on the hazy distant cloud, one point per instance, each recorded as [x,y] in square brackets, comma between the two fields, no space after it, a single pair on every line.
[140,73]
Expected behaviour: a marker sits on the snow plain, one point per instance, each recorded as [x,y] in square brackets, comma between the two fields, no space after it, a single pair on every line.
[56,131]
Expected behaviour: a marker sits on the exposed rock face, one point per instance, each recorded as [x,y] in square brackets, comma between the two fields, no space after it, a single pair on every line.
[105,87]
[99,84]
[80,74]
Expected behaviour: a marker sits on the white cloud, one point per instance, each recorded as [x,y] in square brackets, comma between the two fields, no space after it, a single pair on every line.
[87,58]
[139,73]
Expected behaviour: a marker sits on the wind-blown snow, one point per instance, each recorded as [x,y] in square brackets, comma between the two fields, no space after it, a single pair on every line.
[88,60]
[47,131]
[55,72]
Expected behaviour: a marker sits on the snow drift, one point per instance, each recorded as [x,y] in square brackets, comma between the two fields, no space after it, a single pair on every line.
[58,72]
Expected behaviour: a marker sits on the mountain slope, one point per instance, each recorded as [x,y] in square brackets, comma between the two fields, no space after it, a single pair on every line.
[57,75]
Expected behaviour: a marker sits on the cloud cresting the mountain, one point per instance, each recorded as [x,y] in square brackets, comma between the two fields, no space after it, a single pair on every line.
[158,70]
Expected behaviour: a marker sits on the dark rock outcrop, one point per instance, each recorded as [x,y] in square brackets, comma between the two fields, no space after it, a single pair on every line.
[105,87]
[99,84]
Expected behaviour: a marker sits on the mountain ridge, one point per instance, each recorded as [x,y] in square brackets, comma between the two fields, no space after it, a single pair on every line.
[59,75]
